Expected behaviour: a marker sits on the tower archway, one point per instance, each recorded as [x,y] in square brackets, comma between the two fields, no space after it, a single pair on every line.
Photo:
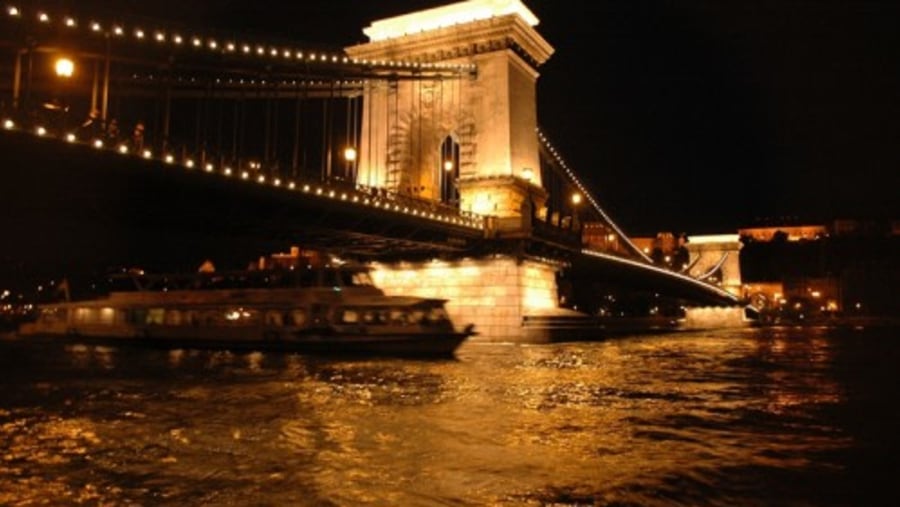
[449,171]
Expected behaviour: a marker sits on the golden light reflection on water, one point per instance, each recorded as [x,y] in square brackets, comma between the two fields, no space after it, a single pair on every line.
[684,419]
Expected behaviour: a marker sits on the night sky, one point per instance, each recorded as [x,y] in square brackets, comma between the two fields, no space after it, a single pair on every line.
[691,115]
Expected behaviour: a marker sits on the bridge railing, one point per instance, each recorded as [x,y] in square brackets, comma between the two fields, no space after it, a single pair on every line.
[336,189]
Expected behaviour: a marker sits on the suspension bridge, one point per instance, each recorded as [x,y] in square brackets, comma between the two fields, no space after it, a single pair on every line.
[420,151]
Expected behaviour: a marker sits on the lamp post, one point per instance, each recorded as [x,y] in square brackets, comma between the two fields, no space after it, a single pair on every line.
[64,68]
[576,201]
[350,159]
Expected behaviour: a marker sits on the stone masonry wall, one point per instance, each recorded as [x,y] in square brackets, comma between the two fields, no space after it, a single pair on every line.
[494,293]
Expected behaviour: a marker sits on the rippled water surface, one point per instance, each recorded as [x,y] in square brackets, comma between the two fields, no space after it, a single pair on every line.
[746,417]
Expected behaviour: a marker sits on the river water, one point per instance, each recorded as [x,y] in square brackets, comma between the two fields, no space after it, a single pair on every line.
[768,417]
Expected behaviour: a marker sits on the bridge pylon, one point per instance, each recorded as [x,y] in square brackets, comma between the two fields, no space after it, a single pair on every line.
[468,141]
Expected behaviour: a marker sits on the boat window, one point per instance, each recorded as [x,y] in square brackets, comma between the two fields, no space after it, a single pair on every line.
[155,316]
[173,317]
[349,316]
[137,316]
[375,317]
[274,318]
[361,279]
[398,317]
[84,315]
[416,316]
[298,317]
[242,316]
[50,315]
[437,314]
[107,315]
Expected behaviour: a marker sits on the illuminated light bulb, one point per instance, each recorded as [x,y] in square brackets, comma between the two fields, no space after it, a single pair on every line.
[43,17]
[350,154]
[147,154]
[40,131]
[291,185]
[227,171]
[277,182]
[70,137]
[273,52]
[213,44]
[261,179]
[245,48]
[245,175]
[96,26]
[331,194]
[98,143]
[139,33]
[13,11]
[169,158]
[70,22]
[448,165]
[189,163]
[118,30]
[197,42]
[230,46]
[209,168]
[260,50]
[8,124]
[177,39]
[160,37]
[306,188]
[123,149]
[319,191]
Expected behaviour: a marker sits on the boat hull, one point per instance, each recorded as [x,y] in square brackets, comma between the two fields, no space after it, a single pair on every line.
[321,342]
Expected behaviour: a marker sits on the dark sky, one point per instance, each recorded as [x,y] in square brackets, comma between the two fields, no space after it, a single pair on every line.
[689,115]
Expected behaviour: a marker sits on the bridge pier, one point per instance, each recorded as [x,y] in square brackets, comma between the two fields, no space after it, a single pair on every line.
[714,317]
[494,293]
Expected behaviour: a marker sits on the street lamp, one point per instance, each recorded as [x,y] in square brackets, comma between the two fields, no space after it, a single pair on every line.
[64,67]
[527,174]
[350,158]
[576,200]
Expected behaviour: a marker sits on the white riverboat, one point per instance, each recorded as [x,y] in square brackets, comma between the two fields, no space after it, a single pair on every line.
[305,305]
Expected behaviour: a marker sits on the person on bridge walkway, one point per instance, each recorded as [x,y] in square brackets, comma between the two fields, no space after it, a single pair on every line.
[137,137]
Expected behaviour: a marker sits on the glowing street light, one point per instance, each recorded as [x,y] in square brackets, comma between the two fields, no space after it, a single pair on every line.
[576,198]
[64,67]
[350,154]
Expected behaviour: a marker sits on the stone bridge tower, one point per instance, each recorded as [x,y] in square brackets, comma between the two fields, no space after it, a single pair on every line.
[468,141]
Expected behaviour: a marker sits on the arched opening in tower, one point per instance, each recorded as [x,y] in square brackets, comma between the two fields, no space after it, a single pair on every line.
[449,171]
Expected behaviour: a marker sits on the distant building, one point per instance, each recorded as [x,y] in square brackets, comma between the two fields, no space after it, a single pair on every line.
[791,232]
[811,232]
